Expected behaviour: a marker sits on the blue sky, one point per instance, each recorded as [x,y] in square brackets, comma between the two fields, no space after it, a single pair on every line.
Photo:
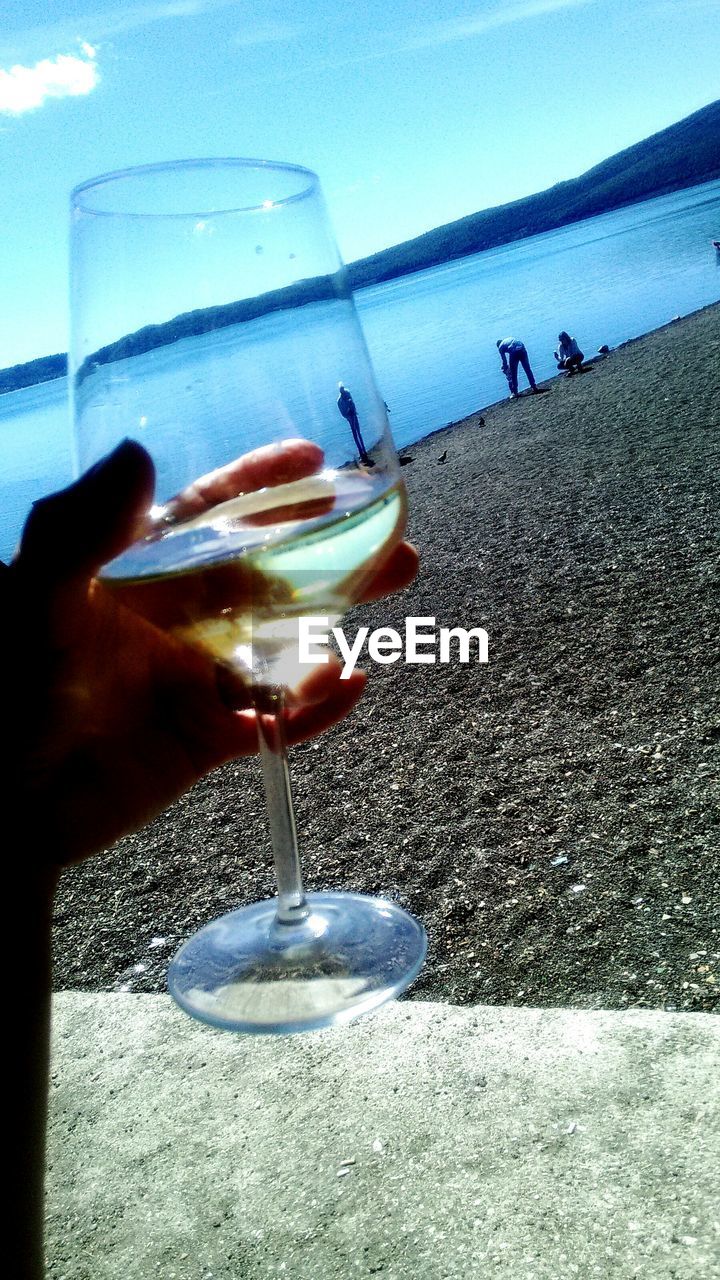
[413,113]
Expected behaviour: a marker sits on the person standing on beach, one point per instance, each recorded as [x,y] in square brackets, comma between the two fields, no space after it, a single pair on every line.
[568,355]
[513,353]
[346,405]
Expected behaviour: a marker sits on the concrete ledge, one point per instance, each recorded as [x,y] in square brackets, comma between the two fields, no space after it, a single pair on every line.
[426,1142]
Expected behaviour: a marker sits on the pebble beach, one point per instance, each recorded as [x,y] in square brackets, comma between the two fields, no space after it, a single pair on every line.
[552,815]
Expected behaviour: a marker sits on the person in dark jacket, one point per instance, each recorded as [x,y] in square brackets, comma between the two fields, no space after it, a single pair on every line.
[346,405]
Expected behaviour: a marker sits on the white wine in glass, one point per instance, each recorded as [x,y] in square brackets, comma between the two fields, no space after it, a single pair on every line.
[211,321]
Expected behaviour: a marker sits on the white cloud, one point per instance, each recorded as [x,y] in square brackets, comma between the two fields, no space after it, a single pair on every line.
[65,76]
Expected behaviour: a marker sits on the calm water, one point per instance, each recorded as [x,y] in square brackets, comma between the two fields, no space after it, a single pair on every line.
[432,335]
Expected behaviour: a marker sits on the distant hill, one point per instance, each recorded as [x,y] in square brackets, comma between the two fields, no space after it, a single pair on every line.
[28,375]
[683,155]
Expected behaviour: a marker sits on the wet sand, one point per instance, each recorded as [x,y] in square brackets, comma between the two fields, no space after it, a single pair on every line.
[550,815]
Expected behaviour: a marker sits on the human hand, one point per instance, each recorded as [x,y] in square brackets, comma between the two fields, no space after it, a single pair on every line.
[108,718]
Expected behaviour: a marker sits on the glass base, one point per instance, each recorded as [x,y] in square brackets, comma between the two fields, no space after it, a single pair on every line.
[249,972]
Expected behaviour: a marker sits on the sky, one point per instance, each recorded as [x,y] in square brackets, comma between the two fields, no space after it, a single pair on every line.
[413,113]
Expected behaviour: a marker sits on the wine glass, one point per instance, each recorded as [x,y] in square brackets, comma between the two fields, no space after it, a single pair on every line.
[211,321]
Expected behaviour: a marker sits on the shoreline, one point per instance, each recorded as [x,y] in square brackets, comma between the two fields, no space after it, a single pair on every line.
[548,816]
[58,362]
[588,362]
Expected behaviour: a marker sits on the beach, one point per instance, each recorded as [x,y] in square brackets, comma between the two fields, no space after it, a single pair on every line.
[550,816]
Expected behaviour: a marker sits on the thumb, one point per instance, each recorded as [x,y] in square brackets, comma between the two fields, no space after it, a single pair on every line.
[70,534]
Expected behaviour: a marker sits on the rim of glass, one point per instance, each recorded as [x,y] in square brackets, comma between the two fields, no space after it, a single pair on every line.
[78,194]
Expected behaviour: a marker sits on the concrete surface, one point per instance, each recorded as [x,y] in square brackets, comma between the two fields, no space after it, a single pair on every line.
[425,1142]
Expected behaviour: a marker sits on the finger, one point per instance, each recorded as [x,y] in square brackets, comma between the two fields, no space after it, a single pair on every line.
[70,534]
[397,572]
[314,688]
[235,690]
[340,698]
[236,734]
[266,467]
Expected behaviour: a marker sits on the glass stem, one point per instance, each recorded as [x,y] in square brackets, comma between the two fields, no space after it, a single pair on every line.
[291,908]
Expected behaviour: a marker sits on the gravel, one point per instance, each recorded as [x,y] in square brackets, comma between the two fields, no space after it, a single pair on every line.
[551,816]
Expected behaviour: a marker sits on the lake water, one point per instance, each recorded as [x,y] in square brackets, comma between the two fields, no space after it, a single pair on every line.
[432,335]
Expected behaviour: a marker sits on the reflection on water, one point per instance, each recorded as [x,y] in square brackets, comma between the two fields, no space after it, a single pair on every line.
[432,335]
